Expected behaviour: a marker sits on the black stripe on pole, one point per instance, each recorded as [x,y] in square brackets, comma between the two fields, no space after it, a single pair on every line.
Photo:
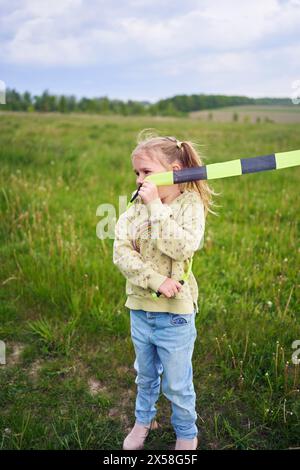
[256,164]
[190,174]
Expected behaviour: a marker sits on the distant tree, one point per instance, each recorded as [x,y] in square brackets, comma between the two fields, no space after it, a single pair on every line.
[62,104]
[71,103]
[178,105]
[13,100]
[26,101]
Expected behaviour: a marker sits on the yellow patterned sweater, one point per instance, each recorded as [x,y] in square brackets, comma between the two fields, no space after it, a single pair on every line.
[154,241]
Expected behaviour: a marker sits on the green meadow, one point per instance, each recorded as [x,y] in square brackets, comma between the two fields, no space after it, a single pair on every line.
[69,381]
[251,113]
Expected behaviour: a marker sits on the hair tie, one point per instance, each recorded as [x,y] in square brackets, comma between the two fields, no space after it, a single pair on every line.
[178,144]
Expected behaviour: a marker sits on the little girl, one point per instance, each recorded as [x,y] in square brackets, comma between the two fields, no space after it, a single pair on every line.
[155,240]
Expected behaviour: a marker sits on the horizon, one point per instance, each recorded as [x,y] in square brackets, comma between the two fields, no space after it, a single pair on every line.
[78,98]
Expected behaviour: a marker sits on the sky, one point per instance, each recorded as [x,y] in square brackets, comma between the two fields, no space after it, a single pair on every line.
[149,49]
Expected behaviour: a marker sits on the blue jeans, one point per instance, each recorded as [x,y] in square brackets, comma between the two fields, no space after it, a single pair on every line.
[163,344]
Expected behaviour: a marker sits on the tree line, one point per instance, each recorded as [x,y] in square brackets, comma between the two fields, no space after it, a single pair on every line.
[179,105]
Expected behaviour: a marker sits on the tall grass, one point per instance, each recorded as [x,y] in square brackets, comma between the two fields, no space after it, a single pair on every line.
[63,298]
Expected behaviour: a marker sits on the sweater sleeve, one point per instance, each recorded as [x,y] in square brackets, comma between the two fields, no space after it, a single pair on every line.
[130,262]
[179,241]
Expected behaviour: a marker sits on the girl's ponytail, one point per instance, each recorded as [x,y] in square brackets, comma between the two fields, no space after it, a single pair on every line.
[191,158]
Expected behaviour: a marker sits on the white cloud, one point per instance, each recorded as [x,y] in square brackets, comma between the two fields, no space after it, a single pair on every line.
[39,41]
[73,32]
[48,9]
[230,46]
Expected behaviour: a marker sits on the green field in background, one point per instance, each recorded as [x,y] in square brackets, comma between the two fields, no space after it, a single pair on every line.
[69,379]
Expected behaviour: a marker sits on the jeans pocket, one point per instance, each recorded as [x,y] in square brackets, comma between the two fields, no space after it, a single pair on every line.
[177,319]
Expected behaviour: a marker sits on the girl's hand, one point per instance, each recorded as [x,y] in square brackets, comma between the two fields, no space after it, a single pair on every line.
[148,192]
[170,287]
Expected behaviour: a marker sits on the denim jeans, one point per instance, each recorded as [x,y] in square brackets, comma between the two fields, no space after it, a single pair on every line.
[163,344]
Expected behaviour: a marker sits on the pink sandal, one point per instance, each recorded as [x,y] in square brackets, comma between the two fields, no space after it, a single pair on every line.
[186,444]
[136,438]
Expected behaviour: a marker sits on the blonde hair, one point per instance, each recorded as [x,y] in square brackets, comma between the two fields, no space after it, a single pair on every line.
[186,154]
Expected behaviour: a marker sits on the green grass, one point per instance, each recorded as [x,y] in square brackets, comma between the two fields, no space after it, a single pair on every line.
[259,114]
[69,378]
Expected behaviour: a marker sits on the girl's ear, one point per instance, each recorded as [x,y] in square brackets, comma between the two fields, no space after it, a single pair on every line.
[176,167]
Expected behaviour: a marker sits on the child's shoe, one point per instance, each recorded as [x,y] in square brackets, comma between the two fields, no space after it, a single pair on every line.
[136,438]
[186,444]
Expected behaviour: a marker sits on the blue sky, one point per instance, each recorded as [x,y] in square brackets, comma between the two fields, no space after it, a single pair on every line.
[149,49]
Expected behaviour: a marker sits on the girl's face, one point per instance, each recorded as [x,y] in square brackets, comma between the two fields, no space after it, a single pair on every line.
[144,166]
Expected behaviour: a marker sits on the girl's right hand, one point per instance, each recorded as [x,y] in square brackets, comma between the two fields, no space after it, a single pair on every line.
[170,287]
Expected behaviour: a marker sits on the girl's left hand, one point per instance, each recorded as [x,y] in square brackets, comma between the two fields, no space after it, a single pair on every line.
[148,192]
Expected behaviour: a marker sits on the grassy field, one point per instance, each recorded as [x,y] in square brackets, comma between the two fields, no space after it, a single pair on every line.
[68,382]
[253,113]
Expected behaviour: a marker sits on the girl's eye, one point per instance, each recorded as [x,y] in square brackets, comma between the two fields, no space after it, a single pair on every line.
[145,172]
